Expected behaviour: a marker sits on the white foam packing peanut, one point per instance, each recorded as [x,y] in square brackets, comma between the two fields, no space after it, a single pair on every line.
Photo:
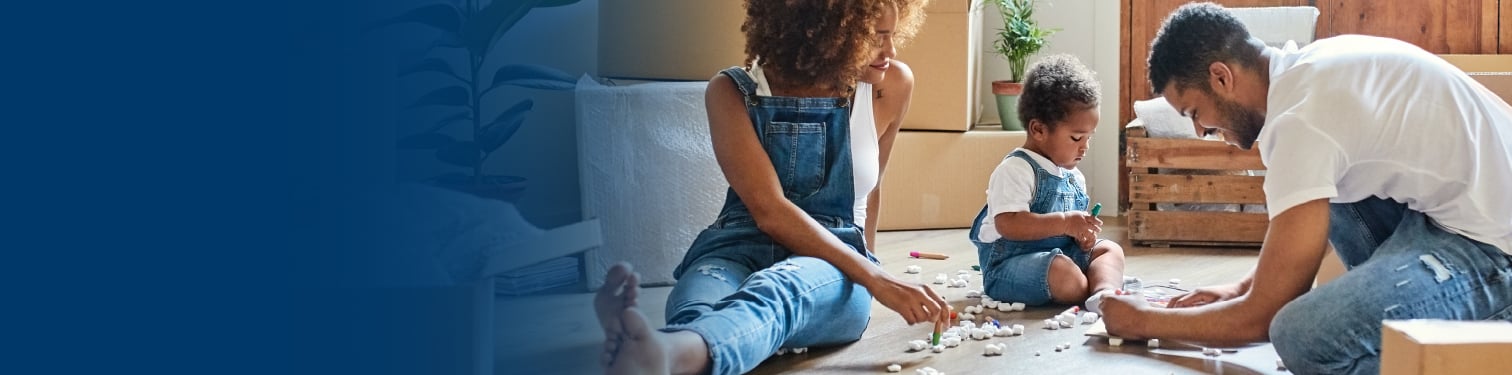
[1003,332]
[952,342]
[973,294]
[980,334]
[1018,329]
[959,283]
[991,350]
[894,367]
[991,304]
[1005,307]
[917,345]
[967,325]
[1115,341]
[1089,317]
[928,371]
[938,348]
[800,350]
[1279,365]
[941,279]
[781,351]
[1153,343]
[1018,306]
[913,269]
[1211,352]
[1051,324]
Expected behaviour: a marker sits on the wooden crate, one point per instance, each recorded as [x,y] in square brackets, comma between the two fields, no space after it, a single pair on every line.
[1149,186]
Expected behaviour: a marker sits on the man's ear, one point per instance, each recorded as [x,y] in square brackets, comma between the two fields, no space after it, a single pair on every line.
[1220,77]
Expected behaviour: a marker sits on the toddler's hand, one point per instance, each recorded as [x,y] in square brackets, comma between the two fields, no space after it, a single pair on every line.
[1083,227]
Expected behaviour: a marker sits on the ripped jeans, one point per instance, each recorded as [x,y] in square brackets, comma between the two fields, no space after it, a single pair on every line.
[1401,266]
[748,297]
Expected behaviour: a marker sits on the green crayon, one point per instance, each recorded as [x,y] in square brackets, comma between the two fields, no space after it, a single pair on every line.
[1096,208]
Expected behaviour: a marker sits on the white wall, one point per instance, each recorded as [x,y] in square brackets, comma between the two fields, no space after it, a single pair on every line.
[1089,31]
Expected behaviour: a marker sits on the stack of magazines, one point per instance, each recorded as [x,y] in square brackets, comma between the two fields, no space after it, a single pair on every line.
[550,274]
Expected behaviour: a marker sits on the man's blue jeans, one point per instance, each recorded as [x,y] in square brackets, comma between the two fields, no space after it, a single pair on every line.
[1401,266]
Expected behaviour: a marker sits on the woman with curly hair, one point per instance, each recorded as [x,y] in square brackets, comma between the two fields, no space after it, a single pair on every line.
[802,134]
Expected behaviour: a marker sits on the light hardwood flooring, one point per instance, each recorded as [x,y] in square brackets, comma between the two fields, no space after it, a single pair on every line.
[574,339]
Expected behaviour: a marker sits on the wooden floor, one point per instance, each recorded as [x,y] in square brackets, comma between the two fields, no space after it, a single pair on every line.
[574,346]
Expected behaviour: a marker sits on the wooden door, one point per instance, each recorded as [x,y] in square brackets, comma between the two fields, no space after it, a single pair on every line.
[1439,26]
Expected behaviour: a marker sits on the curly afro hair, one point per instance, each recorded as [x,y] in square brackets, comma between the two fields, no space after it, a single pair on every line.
[1054,87]
[1193,37]
[822,43]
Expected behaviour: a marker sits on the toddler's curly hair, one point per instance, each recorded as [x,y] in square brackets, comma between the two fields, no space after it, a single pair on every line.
[1054,87]
[822,43]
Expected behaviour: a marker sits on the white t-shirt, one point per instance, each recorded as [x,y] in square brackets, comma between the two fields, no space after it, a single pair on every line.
[1352,117]
[865,154]
[1011,188]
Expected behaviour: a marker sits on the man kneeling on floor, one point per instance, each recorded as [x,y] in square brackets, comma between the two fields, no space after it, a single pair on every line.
[1393,155]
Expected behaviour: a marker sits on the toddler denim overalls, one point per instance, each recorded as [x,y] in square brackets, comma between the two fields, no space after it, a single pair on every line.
[1018,271]
[744,293]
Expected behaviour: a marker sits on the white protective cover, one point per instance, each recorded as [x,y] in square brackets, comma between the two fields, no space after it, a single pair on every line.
[648,174]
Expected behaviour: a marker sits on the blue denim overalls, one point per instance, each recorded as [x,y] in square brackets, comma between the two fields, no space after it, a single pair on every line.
[1017,271]
[745,294]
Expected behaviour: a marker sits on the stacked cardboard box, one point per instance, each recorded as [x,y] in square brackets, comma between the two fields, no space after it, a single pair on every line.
[937,175]
[1443,347]
[939,179]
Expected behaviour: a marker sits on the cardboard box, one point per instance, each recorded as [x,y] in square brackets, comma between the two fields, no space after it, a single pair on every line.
[945,57]
[669,39]
[1493,71]
[1442,347]
[939,179]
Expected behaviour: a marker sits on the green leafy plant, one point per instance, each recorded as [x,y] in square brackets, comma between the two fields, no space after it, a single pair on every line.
[1020,37]
[474,28]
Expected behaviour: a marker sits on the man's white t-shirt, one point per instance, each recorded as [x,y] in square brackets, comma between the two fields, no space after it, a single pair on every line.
[1011,188]
[1353,116]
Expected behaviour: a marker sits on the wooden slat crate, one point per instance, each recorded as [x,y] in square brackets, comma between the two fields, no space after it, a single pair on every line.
[1149,186]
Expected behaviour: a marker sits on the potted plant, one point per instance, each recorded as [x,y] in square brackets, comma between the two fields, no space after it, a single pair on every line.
[471,28]
[1020,38]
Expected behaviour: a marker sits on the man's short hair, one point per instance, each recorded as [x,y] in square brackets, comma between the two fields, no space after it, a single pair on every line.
[1193,37]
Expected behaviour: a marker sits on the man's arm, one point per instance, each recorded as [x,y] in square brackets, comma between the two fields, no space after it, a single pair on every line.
[1294,244]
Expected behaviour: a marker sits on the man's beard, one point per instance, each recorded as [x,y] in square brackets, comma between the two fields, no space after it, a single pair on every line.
[1244,123]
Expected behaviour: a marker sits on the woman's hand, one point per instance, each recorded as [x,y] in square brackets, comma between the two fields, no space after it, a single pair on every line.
[1205,295]
[917,303]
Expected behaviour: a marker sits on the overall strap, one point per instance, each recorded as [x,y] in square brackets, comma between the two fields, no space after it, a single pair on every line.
[743,80]
[1033,164]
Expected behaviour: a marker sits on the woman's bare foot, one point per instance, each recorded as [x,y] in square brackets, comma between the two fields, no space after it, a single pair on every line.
[620,290]
[641,350]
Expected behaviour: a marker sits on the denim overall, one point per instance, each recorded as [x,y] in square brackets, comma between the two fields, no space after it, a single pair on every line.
[744,293]
[1401,266]
[1018,271]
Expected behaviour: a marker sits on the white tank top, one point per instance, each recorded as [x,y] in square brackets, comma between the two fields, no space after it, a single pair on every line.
[865,155]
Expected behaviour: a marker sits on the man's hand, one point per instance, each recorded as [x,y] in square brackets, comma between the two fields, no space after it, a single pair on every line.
[1124,315]
[1206,295]
[917,303]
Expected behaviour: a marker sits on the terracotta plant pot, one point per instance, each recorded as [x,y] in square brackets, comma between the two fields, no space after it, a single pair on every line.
[1007,101]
